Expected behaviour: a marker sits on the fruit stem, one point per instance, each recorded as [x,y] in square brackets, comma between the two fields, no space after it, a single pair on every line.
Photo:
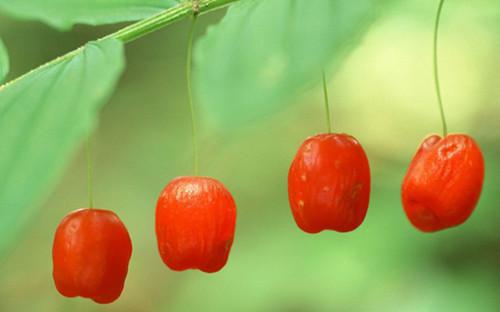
[90,192]
[327,104]
[189,61]
[436,71]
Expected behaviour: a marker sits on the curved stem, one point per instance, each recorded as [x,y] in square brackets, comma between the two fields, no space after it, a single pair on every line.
[90,192]
[189,57]
[327,104]
[436,71]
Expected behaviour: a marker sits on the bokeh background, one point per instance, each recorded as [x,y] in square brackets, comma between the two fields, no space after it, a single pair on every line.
[383,95]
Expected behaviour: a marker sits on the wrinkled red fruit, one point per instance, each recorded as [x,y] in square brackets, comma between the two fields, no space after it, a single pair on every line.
[329,184]
[195,223]
[443,182]
[91,252]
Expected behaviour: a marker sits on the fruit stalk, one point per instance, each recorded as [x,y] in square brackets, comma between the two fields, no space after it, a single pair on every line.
[436,69]
[189,61]
[90,193]
[327,104]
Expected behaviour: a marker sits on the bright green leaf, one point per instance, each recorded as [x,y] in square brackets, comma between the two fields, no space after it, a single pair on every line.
[63,14]
[43,117]
[266,51]
[4,61]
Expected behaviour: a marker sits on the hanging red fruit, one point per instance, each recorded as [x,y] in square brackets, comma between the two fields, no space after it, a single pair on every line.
[195,224]
[91,252]
[443,182]
[329,184]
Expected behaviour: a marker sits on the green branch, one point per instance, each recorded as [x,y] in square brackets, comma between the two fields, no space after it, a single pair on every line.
[142,28]
[165,18]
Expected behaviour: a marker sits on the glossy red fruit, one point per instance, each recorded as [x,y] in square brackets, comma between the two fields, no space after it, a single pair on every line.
[91,252]
[195,223]
[329,184]
[443,182]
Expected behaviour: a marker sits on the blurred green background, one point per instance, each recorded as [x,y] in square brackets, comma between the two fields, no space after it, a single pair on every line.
[383,95]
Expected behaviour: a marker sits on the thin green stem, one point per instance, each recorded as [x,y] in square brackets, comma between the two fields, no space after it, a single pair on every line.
[327,104]
[189,61]
[141,28]
[436,70]
[90,191]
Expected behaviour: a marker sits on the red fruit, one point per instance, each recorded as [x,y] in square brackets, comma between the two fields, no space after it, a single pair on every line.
[90,255]
[443,182]
[195,222]
[329,184]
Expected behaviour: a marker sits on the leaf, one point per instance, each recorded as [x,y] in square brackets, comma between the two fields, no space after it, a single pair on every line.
[264,52]
[43,117]
[4,61]
[63,14]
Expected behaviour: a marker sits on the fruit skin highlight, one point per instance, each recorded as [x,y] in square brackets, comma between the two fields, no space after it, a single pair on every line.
[91,253]
[195,224]
[443,183]
[329,184]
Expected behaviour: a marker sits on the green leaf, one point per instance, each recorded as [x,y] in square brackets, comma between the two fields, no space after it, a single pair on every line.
[43,117]
[4,61]
[63,14]
[264,52]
